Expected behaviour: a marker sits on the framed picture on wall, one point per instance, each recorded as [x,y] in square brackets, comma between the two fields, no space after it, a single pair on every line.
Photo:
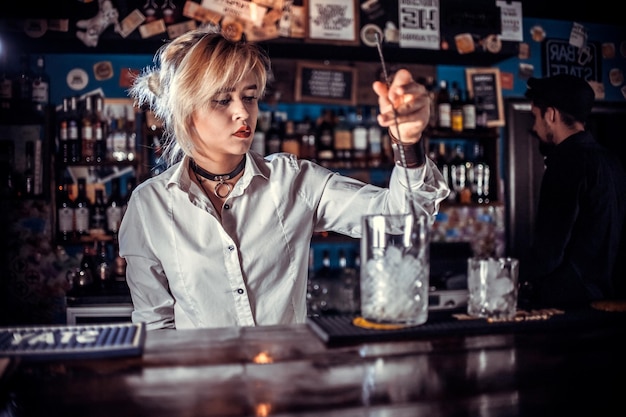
[485,86]
[333,21]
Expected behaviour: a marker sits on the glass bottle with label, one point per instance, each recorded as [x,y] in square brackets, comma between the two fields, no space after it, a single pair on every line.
[444,107]
[64,146]
[325,137]
[65,214]
[469,112]
[40,90]
[29,186]
[24,85]
[86,129]
[456,108]
[73,132]
[82,208]
[98,223]
[100,130]
[114,207]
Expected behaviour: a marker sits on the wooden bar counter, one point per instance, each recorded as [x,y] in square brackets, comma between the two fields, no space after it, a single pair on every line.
[575,365]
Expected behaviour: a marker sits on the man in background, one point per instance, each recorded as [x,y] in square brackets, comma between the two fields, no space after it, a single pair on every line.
[582,202]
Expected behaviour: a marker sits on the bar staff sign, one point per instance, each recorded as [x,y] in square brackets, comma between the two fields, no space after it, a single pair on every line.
[560,57]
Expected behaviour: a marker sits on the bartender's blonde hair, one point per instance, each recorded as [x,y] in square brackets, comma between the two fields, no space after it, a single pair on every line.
[189,71]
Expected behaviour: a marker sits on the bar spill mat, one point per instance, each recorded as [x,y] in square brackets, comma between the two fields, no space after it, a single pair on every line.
[73,342]
[344,330]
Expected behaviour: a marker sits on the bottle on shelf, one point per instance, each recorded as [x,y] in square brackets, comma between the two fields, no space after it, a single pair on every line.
[443,163]
[82,209]
[97,224]
[274,135]
[63,132]
[374,139]
[444,106]
[73,132]
[100,130]
[119,263]
[87,138]
[480,177]
[131,182]
[114,207]
[24,85]
[7,169]
[119,139]
[102,265]
[29,181]
[40,90]
[457,173]
[342,141]
[130,129]
[306,131]
[291,140]
[324,138]
[65,213]
[360,143]
[84,276]
[456,108]
[348,286]
[469,112]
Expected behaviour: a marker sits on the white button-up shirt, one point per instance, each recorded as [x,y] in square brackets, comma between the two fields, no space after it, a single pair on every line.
[187,267]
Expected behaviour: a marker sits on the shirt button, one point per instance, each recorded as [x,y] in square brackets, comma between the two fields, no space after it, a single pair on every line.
[231,248]
[226,206]
[239,291]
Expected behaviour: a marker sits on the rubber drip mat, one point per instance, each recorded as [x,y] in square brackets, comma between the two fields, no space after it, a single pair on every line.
[341,330]
[73,342]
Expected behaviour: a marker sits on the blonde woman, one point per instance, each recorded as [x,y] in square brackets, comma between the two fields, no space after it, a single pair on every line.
[222,237]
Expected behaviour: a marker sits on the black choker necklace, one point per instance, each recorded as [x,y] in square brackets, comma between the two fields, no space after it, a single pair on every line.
[221,179]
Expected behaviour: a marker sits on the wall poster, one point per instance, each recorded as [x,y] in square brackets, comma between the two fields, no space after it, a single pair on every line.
[333,21]
[485,86]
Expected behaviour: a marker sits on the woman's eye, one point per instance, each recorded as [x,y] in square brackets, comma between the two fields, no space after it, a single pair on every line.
[249,99]
[223,102]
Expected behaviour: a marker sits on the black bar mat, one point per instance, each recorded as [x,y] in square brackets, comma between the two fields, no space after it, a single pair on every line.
[73,342]
[339,330]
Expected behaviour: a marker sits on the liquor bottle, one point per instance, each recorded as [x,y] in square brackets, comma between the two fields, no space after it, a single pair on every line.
[131,182]
[7,165]
[119,263]
[64,147]
[274,135]
[291,141]
[65,213]
[324,138]
[444,107]
[40,90]
[82,209]
[100,130]
[444,167]
[88,145]
[84,276]
[306,131]
[102,266]
[374,139]
[73,132]
[119,140]
[480,177]
[342,140]
[29,187]
[23,85]
[360,141]
[114,207]
[347,282]
[130,130]
[469,112]
[97,224]
[456,108]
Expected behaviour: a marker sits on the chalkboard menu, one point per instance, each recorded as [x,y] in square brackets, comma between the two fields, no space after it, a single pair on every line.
[320,83]
[484,85]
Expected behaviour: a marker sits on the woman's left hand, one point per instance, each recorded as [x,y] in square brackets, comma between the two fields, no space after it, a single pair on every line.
[411,103]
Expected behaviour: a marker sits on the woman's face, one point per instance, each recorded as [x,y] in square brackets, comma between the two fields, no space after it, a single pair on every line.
[226,125]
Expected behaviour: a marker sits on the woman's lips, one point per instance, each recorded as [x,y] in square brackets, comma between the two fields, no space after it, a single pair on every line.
[243,132]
